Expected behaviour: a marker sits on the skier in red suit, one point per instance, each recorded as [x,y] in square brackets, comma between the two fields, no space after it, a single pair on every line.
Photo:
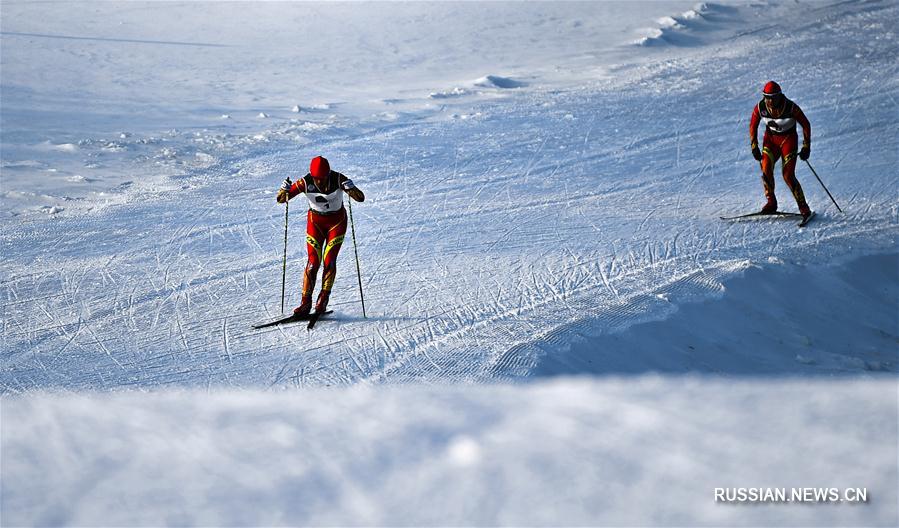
[325,226]
[780,116]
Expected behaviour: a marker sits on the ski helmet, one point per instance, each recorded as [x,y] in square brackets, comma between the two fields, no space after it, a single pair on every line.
[772,89]
[319,168]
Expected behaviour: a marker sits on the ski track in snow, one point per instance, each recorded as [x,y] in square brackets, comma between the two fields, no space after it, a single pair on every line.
[484,242]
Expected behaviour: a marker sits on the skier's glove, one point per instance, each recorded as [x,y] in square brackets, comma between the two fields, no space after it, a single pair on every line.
[756,153]
[283,192]
[804,153]
[356,194]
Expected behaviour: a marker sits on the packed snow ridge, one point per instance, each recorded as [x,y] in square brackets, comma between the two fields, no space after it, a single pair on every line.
[692,27]
[488,82]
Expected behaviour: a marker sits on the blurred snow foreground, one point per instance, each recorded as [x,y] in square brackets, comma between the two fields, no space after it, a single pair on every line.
[561,330]
[620,451]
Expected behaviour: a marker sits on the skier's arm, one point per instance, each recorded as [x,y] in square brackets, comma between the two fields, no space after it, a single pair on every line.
[350,188]
[288,191]
[298,187]
[799,116]
[754,133]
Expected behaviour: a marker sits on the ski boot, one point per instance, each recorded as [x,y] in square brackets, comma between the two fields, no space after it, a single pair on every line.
[322,303]
[304,308]
[805,212]
[769,207]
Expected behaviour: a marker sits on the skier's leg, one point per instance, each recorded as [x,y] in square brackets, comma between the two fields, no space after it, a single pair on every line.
[789,151]
[770,154]
[329,261]
[314,240]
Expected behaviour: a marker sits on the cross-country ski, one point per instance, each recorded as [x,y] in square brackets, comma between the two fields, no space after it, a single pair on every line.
[292,318]
[762,214]
[314,319]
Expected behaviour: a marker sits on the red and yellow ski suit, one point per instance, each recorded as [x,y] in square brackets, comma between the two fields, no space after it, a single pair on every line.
[326,225]
[780,141]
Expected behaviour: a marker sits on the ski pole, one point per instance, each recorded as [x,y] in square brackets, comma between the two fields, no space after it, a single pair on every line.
[822,185]
[284,265]
[356,251]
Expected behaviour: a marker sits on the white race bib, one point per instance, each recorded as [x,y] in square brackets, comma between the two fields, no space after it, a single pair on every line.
[784,124]
[325,203]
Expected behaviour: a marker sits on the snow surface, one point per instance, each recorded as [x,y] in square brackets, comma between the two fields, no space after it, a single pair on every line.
[620,452]
[131,94]
[544,182]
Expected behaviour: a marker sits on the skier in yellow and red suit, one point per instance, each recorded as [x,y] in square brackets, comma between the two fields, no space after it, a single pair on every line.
[780,116]
[325,226]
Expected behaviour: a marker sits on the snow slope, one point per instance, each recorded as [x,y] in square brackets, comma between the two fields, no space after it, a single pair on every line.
[101,98]
[542,200]
[592,200]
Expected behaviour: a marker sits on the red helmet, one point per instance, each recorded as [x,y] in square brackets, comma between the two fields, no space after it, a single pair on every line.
[319,168]
[771,89]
